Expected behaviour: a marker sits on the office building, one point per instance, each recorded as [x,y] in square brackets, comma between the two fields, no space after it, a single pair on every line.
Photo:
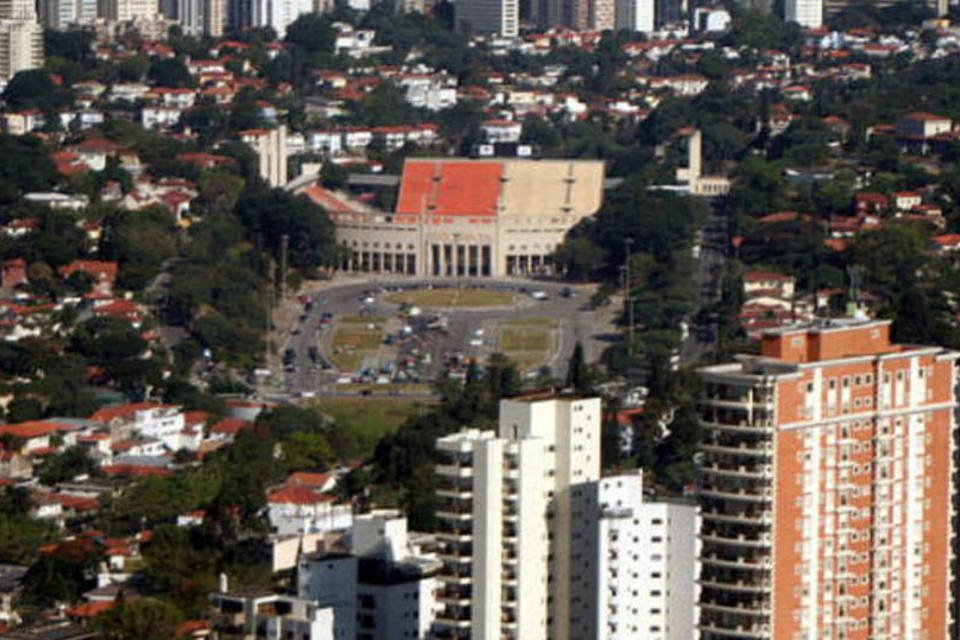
[380,586]
[270,145]
[826,487]
[512,529]
[645,554]
[21,47]
[488,17]
[806,13]
[635,15]
[602,15]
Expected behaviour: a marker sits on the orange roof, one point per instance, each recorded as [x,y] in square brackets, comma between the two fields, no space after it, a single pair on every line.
[90,609]
[307,479]
[33,429]
[134,470]
[457,188]
[229,426]
[96,268]
[297,495]
[760,276]
[109,414]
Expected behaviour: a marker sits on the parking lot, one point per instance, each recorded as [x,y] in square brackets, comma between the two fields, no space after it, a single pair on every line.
[363,335]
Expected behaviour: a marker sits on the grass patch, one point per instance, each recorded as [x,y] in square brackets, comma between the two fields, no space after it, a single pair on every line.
[453,297]
[369,419]
[355,319]
[352,343]
[527,341]
[523,339]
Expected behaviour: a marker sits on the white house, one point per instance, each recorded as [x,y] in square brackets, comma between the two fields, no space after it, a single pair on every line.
[293,509]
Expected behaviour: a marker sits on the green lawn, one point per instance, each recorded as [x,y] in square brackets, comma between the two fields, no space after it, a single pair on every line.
[369,419]
[527,341]
[352,343]
[453,297]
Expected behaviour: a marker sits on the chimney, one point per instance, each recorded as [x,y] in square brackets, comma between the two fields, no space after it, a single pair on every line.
[224,583]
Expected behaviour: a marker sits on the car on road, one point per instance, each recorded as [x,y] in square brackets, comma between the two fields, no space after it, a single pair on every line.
[567,292]
[476,342]
[539,294]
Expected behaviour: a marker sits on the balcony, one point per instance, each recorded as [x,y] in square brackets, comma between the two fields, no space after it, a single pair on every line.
[460,515]
[759,472]
[750,609]
[758,517]
[452,623]
[746,495]
[455,493]
[753,632]
[450,576]
[753,451]
[738,586]
[454,471]
[455,597]
[757,427]
[740,540]
[755,564]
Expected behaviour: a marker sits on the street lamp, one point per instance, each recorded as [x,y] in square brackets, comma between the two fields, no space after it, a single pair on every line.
[628,244]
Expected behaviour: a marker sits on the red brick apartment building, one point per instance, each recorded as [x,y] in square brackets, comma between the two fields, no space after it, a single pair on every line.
[826,488]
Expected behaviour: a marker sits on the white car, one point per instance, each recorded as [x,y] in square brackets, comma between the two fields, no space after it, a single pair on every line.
[539,295]
[476,342]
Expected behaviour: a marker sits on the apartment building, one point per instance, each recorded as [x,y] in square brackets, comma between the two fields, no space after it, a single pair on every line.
[806,13]
[381,586]
[512,521]
[488,17]
[270,146]
[645,553]
[21,47]
[826,487]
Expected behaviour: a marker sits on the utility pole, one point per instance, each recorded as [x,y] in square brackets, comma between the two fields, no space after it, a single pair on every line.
[284,245]
[268,313]
[628,298]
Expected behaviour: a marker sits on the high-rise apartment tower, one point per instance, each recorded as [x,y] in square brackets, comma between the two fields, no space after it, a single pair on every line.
[826,489]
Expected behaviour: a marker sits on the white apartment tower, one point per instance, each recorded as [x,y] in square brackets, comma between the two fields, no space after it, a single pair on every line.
[128,10]
[214,17]
[21,47]
[488,17]
[636,15]
[271,148]
[645,554]
[806,13]
[512,523]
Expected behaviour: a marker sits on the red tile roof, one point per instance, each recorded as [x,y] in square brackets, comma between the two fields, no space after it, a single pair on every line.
[89,610]
[109,414]
[297,495]
[458,188]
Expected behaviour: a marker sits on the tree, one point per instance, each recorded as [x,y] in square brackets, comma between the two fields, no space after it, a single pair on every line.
[577,373]
[143,619]
[34,89]
[312,32]
[179,564]
[74,461]
[75,44]
[170,72]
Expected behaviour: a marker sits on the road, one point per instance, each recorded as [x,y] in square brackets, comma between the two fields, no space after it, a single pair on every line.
[714,245]
[301,331]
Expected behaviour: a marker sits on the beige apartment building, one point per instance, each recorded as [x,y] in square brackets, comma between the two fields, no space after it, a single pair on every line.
[458,217]
[513,531]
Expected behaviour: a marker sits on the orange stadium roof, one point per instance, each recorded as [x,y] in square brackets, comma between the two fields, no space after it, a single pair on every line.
[445,188]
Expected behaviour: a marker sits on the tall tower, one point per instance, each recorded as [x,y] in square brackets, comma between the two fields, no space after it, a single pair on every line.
[825,487]
[21,47]
[806,13]
[512,527]
[488,17]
